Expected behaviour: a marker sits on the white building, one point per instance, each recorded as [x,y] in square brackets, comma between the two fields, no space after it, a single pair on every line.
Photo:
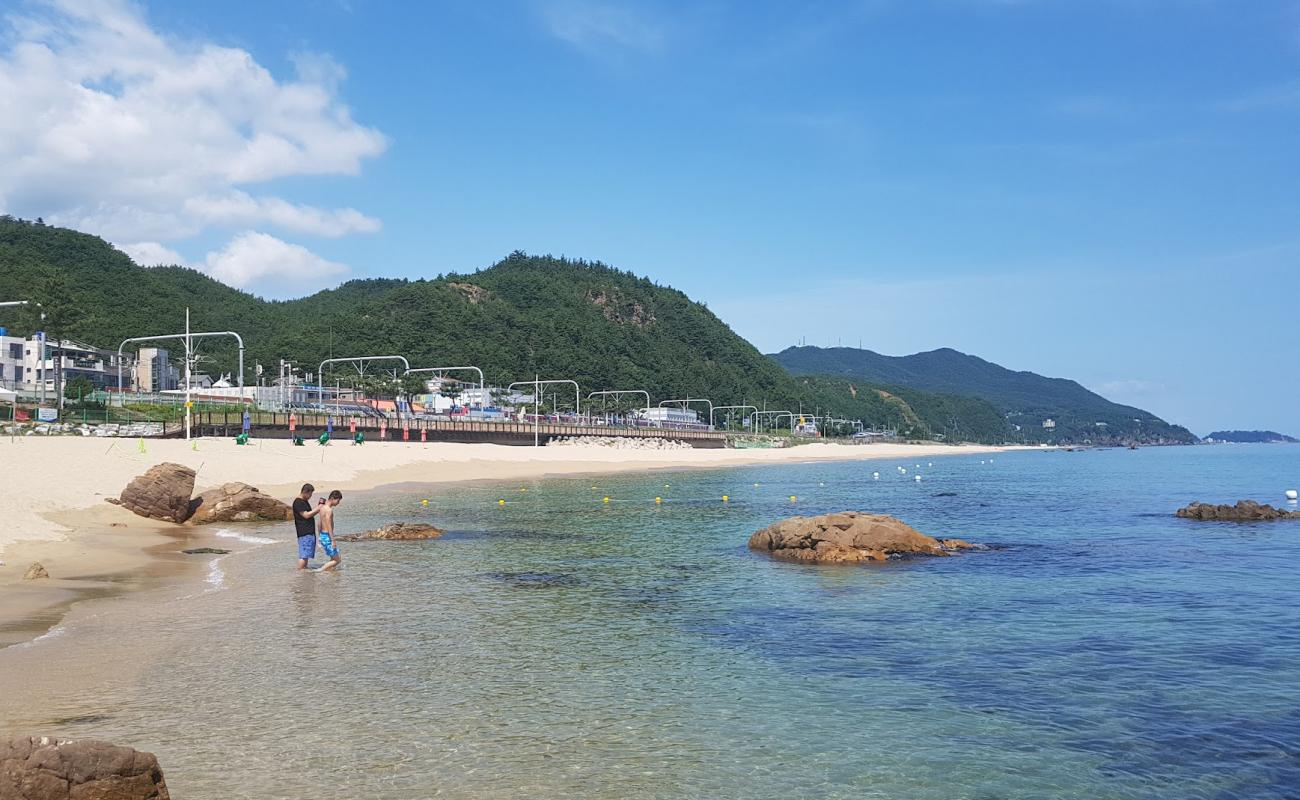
[28,363]
[671,416]
[1049,424]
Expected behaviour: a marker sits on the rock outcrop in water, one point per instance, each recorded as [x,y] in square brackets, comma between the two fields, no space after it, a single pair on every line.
[44,768]
[162,493]
[1243,511]
[236,502]
[849,537]
[396,532]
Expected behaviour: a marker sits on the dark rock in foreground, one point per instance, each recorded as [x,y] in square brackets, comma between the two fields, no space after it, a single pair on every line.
[1243,511]
[44,768]
[198,551]
[396,532]
[162,493]
[236,502]
[849,537]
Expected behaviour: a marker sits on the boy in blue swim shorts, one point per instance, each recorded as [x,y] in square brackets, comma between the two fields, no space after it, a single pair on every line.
[327,530]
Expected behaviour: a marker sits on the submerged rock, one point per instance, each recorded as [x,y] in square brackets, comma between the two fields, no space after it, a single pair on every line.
[236,502]
[1243,511]
[396,532]
[45,768]
[849,537]
[162,493]
[35,572]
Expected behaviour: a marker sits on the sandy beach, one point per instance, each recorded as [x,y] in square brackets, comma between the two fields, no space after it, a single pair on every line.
[55,488]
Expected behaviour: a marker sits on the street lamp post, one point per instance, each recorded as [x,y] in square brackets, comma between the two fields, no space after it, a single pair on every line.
[686,401]
[577,392]
[618,392]
[723,408]
[359,361]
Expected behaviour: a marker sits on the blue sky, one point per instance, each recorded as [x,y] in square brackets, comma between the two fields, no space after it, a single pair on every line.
[1099,190]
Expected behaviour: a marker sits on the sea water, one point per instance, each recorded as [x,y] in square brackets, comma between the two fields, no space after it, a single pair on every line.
[558,645]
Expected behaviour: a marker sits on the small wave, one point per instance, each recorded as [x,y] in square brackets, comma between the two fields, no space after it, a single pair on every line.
[229,534]
[56,631]
[216,576]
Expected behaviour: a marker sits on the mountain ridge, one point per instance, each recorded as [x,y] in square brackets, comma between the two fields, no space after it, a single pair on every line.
[1025,398]
[523,316]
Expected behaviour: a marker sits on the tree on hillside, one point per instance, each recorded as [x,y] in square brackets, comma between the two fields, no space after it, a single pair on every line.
[52,311]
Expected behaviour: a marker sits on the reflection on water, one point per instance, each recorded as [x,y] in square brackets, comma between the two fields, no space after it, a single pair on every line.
[561,646]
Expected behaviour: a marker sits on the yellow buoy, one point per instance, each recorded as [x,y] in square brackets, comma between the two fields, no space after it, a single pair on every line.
[606,500]
[501,502]
[659,499]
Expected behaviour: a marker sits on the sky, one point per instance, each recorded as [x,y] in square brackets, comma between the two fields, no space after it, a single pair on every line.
[1106,190]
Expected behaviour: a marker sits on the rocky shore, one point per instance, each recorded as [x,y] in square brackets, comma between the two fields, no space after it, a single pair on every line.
[1242,511]
[45,768]
[164,493]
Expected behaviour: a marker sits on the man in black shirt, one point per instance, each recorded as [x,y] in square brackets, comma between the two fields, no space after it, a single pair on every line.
[305,525]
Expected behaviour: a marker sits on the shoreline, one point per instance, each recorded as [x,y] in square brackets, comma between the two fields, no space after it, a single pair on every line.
[93,550]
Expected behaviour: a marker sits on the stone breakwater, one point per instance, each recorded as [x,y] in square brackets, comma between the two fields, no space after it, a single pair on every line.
[618,443]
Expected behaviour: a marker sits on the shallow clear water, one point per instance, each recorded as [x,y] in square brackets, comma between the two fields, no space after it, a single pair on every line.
[561,646]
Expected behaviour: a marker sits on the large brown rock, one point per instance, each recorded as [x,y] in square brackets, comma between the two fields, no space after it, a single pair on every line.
[44,768]
[1243,511]
[162,493]
[236,502]
[396,531]
[848,537]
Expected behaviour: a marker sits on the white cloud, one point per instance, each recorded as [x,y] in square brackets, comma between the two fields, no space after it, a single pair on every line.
[280,268]
[592,24]
[238,208]
[112,127]
[151,254]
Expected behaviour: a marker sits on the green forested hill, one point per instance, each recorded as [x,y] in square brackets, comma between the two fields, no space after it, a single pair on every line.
[1023,398]
[526,315]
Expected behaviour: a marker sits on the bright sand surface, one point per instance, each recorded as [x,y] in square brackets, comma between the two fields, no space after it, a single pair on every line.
[53,510]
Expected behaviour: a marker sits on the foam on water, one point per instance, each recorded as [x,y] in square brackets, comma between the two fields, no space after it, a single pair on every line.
[226,533]
[52,633]
[216,576]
